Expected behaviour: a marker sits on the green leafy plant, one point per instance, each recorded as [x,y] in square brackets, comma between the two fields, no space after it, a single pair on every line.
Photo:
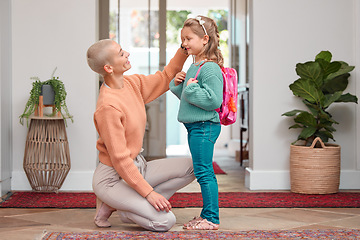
[321,83]
[59,100]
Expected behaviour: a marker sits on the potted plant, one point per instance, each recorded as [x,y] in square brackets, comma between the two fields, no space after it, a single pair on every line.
[322,82]
[53,92]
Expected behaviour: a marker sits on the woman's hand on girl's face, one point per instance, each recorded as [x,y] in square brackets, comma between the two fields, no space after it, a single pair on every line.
[179,78]
[159,202]
[190,81]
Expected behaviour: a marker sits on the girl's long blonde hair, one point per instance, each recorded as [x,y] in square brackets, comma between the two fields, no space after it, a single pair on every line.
[211,50]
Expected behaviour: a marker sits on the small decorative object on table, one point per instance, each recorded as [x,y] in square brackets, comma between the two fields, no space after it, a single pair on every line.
[46,157]
[47,93]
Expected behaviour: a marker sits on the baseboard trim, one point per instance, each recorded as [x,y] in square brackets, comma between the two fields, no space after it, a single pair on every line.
[74,181]
[280,180]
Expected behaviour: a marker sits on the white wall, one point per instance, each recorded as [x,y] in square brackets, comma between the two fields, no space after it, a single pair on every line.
[284,33]
[48,34]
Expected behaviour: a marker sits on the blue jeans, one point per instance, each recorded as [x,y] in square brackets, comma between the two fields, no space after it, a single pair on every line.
[201,138]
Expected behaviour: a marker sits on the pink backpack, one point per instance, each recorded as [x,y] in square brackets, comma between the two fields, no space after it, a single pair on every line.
[228,108]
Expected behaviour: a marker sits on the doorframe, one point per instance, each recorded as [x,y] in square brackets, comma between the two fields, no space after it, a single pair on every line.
[155,136]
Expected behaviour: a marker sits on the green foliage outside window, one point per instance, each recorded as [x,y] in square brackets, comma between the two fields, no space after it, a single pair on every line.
[174,24]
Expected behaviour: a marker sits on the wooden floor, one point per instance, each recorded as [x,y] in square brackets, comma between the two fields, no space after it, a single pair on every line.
[31,223]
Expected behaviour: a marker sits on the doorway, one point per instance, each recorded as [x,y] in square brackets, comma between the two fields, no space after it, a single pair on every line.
[138,26]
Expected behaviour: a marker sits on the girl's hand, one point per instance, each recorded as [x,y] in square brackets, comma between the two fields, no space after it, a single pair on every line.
[179,78]
[190,81]
[159,202]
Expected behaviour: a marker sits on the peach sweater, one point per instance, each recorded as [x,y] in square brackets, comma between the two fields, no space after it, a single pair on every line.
[120,120]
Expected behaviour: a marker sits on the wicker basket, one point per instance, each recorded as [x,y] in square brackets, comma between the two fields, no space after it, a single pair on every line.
[46,157]
[315,170]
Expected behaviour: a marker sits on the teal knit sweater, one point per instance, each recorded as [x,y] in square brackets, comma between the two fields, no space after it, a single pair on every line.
[198,101]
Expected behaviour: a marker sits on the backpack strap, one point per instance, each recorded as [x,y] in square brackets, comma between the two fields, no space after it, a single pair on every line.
[198,71]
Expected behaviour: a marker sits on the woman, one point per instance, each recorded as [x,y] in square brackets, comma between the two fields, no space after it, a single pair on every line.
[123,180]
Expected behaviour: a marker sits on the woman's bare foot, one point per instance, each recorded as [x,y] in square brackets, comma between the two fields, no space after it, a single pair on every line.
[103,212]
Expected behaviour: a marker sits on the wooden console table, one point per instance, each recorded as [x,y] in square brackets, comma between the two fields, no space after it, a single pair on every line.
[46,157]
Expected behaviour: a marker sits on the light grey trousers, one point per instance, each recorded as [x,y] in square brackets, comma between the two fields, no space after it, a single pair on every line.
[166,176]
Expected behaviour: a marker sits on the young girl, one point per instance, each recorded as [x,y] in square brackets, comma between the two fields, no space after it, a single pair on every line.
[198,100]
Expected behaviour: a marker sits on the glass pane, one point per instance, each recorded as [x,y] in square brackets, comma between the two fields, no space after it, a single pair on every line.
[135,25]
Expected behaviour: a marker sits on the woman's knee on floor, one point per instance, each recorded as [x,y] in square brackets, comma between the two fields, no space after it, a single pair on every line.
[163,223]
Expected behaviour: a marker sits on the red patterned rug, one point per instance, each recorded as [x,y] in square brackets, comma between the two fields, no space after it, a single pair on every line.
[255,234]
[217,169]
[182,200]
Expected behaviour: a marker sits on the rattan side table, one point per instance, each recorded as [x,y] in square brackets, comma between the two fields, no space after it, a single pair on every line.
[46,157]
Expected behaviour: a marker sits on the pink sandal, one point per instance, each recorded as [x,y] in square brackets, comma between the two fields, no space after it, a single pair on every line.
[203,225]
[192,222]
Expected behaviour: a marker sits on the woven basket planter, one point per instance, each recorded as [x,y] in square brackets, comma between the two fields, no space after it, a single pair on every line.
[315,170]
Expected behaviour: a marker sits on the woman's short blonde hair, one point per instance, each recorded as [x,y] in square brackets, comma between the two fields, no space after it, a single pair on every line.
[98,55]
